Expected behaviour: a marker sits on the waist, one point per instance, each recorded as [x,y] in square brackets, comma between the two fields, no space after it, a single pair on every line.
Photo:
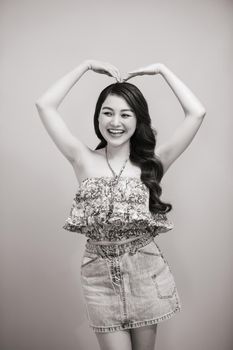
[107,249]
[115,242]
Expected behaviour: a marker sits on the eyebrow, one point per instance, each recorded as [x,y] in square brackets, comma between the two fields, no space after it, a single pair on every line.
[125,109]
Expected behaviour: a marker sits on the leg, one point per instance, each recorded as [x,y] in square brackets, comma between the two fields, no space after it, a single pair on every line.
[144,337]
[114,340]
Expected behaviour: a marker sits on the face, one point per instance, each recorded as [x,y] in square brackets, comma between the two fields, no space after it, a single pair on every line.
[117,121]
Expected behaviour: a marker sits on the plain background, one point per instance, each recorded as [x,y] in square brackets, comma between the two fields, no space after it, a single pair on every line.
[41,299]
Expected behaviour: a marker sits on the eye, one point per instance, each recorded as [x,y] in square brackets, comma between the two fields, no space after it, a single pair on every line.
[107,113]
[125,115]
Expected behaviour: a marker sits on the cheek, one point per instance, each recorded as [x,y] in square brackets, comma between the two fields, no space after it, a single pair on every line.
[133,125]
[101,123]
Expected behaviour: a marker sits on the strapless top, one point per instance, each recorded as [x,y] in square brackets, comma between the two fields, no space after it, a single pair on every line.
[102,211]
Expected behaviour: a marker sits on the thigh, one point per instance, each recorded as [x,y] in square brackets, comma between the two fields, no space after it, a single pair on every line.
[114,340]
[144,337]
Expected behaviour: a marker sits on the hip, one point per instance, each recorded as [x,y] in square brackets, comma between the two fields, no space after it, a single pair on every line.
[136,266]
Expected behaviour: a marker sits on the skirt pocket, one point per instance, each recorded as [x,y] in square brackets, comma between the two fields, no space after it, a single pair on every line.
[88,258]
[164,283]
[150,249]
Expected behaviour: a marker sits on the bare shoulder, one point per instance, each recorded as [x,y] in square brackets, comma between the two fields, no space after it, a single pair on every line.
[93,163]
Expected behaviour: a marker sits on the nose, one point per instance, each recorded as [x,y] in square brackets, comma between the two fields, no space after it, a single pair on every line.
[115,120]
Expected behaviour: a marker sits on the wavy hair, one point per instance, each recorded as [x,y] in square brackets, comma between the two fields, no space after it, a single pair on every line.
[142,142]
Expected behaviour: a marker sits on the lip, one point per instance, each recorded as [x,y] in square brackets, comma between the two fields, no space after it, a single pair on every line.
[116,134]
[115,129]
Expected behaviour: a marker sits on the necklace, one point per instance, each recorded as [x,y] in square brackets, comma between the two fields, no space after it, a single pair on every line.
[116,177]
[113,182]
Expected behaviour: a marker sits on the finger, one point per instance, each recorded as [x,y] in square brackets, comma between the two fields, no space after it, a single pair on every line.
[119,79]
[114,74]
[108,73]
[126,78]
[132,73]
[136,72]
[117,76]
[103,71]
[129,76]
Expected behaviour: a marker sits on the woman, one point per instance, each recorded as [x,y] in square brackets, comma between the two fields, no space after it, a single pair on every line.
[127,283]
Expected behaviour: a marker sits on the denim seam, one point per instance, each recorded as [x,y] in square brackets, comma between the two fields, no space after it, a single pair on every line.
[89,261]
[136,324]
[124,302]
[169,296]
[110,267]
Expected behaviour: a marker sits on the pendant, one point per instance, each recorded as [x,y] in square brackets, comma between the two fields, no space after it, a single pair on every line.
[115,180]
[111,204]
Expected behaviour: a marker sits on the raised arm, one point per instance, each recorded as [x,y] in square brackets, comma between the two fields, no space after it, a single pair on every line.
[47,106]
[193,109]
[194,114]
[70,146]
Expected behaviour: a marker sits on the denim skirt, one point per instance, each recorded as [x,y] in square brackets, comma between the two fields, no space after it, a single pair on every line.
[127,285]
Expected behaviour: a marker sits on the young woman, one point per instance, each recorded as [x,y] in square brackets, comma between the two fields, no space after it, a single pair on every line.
[127,283]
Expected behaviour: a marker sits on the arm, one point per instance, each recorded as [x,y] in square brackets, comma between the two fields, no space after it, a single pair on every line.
[47,106]
[193,110]
[194,114]
[71,147]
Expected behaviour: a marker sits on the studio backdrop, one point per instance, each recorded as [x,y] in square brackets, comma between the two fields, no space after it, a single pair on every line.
[41,298]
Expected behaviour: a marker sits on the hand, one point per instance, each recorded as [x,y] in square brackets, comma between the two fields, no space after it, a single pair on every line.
[104,68]
[152,69]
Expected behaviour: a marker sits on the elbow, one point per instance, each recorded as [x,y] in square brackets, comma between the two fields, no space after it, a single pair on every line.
[41,105]
[38,107]
[197,115]
[202,113]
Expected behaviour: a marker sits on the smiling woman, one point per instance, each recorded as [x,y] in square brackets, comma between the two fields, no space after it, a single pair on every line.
[127,283]
[138,139]
[114,123]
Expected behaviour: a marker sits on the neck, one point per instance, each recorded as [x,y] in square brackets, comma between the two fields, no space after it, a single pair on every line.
[118,153]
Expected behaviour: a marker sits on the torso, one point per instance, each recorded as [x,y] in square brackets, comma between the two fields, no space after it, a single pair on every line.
[94,164]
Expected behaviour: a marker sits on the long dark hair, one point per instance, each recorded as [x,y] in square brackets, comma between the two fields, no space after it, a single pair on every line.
[142,142]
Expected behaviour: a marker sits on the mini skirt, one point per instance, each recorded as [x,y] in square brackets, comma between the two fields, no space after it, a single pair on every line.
[127,285]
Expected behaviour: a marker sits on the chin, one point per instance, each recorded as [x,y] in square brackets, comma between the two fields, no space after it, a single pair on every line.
[116,142]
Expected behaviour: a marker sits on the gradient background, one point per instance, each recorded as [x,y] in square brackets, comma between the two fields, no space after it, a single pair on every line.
[41,298]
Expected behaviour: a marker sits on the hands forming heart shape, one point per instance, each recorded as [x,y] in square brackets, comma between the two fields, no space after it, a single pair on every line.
[109,69]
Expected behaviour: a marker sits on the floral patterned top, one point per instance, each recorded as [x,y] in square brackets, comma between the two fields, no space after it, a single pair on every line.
[102,210]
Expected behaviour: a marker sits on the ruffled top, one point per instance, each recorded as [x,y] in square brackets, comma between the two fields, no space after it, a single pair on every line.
[102,210]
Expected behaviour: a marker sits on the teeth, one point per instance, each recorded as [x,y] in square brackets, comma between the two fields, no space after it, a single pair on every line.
[115,131]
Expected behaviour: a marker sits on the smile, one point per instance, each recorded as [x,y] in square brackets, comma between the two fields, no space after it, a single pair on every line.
[115,131]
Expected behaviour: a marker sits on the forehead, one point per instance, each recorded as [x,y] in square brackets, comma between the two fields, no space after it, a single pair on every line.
[115,102]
